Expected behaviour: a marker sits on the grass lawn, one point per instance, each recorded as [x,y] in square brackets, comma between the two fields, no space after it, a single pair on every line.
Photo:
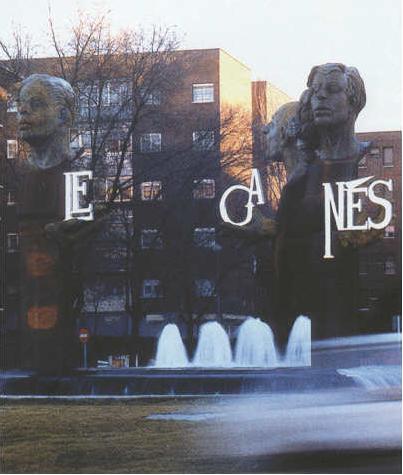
[93,437]
[296,433]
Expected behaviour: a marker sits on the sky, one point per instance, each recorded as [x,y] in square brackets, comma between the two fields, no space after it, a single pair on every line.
[280,40]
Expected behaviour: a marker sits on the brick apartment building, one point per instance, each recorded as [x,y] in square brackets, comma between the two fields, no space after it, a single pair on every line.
[9,340]
[380,271]
[161,258]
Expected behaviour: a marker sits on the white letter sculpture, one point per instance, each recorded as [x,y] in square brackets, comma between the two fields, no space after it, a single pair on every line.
[76,189]
[345,193]
[255,189]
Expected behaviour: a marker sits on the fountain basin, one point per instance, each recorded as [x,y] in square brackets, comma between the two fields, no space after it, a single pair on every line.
[187,381]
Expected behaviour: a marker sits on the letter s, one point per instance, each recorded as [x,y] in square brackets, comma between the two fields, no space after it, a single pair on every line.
[382,202]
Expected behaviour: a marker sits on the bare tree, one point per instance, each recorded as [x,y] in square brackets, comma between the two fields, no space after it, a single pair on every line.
[117,79]
[120,80]
[18,52]
[220,154]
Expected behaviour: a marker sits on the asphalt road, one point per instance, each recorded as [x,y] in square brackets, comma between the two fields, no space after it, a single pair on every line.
[344,431]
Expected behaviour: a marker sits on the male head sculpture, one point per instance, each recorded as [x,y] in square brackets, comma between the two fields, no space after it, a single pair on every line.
[45,114]
[329,109]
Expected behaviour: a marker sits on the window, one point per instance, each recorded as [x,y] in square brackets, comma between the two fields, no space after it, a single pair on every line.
[152,98]
[150,143]
[86,140]
[113,257]
[204,237]
[75,139]
[121,216]
[116,141]
[116,92]
[112,93]
[125,188]
[204,189]
[103,96]
[107,93]
[387,157]
[151,289]
[150,239]
[203,139]
[390,231]
[12,242]
[204,288]
[151,190]
[12,149]
[363,162]
[87,99]
[390,266]
[11,197]
[118,151]
[374,153]
[203,93]
[105,295]
[81,139]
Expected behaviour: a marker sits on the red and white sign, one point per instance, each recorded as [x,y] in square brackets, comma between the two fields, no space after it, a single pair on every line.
[84,335]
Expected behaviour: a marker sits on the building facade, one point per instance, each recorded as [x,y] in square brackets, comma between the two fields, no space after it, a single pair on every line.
[379,301]
[9,241]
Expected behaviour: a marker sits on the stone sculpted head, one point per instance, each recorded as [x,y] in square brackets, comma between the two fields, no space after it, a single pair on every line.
[45,114]
[336,94]
[279,131]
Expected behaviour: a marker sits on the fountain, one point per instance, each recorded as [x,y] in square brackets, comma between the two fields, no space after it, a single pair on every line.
[213,347]
[255,345]
[255,368]
[171,352]
[298,351]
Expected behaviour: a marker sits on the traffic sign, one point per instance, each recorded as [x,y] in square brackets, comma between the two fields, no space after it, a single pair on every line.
[84,335]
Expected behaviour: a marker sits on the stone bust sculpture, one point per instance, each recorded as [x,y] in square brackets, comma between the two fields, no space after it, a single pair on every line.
[326,150]
[279,145]
[328,111]
[45,114]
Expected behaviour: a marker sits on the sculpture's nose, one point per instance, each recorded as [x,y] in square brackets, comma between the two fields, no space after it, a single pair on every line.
[321,93]
[23,108]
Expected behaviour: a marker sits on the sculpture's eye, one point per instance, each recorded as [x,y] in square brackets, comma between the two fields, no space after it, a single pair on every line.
[267,128]
[36,103]
[316,86]
[334,88]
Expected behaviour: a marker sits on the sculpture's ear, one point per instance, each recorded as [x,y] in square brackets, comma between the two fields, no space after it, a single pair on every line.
[64,115]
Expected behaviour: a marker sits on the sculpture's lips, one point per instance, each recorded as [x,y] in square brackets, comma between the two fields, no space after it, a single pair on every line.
[322,110]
